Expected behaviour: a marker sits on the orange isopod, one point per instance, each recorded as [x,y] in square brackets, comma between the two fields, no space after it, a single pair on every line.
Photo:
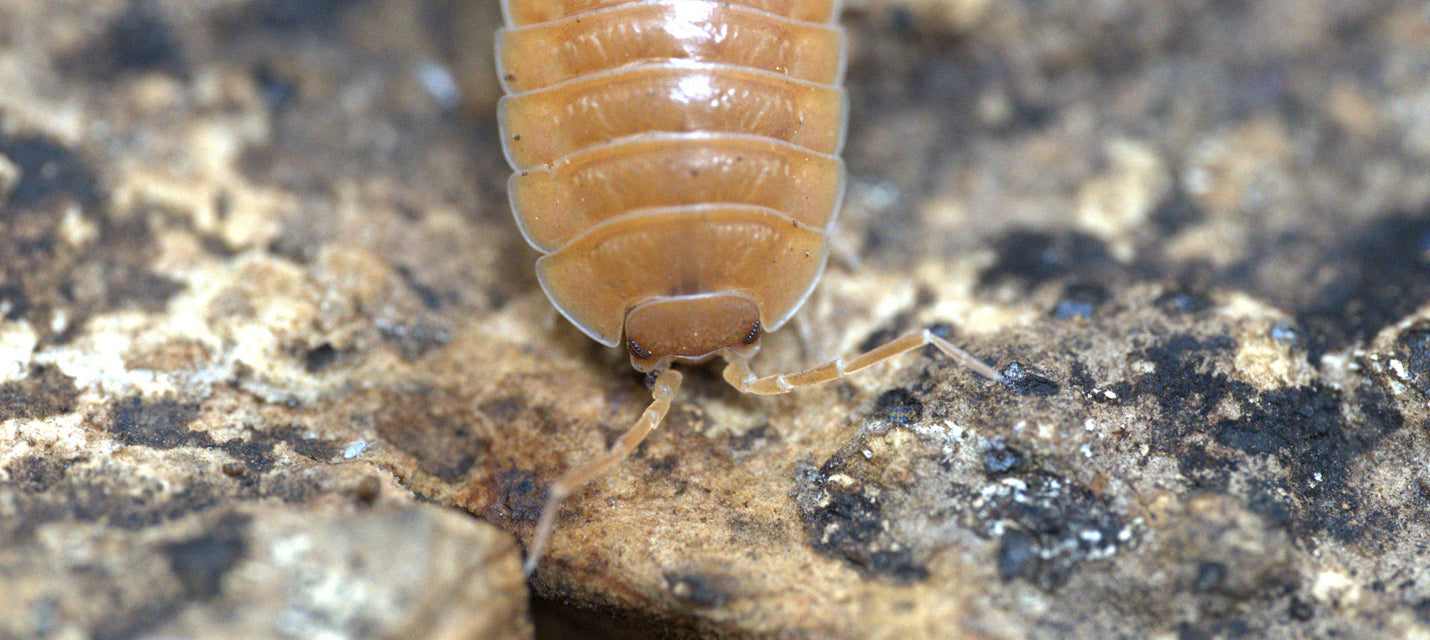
[677,165]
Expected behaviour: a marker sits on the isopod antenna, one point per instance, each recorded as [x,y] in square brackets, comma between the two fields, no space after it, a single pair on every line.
[739,375]
[662,392]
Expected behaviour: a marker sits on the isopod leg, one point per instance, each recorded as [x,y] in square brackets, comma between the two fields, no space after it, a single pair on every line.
[738,373]
[662,392]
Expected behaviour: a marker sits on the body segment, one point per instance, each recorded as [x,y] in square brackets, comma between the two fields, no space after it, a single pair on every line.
[673,148]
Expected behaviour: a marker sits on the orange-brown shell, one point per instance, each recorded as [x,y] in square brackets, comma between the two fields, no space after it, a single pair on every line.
[669,96]
[540,55]
[673,251]
[556,202]
[524,12]
[670,149]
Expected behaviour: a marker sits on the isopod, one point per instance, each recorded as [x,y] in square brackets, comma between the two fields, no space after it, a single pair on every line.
[677,163]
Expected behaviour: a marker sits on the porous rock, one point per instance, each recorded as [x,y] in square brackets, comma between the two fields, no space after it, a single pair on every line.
[257,264]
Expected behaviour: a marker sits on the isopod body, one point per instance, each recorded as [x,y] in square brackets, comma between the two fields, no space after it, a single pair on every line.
[675,159]
[677,165]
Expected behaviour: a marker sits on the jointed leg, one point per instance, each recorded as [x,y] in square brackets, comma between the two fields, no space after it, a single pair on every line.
[666,384]
[738,373]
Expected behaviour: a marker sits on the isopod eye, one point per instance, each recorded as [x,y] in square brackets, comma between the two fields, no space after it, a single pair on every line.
[754,335]
[691,328]
[637,351]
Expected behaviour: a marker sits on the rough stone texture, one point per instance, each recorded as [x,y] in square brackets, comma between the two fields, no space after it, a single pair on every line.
[331,570]
[256,252]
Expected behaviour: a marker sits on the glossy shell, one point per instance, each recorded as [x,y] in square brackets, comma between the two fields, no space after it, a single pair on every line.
[673,148]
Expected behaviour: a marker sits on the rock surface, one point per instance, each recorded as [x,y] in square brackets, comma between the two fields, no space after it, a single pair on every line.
[328,570]
[261,296]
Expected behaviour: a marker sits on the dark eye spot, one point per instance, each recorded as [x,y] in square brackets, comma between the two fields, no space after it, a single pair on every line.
[754,333]
[636,348]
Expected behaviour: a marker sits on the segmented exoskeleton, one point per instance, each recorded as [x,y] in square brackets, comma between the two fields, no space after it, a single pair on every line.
[677,163]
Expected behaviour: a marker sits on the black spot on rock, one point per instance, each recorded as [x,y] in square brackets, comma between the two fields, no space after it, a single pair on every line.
[44,275]
[367,490]
[285,15]
[1281,419]
[1178,383]
[13,301]
[319,358]
[431,295]
[300,238]
[1413,350]
[518,496]
[662,465]
[1017,553]
[142,289]
[1422,610]
[1204,470]
[1027,116]
[1180,302]
[503,409]
[414,339]
[699,589]
[1307,429]
[43,393]
[278,89]
[1379,276]
[35,259]
[1024,380]
[1047,527]
[433,425]
[1030,258]
[1080,301]
[877,338]
[293,436]
[757,435]
[1189,631]
[160,424]
[49,173]
[118,272]
[899,407]
[1210,576]
[35,474]
[846,520]
[1272,499]
[1176,211]
[137,40]
[201,562]
[454,466]
[1000,458]
[64,491]
[255,455]
[1301,610]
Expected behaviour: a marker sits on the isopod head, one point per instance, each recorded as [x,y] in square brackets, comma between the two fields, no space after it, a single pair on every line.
[691,329]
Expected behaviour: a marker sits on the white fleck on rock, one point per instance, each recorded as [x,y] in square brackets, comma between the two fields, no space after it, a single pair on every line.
[1336,588]
[17,343]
